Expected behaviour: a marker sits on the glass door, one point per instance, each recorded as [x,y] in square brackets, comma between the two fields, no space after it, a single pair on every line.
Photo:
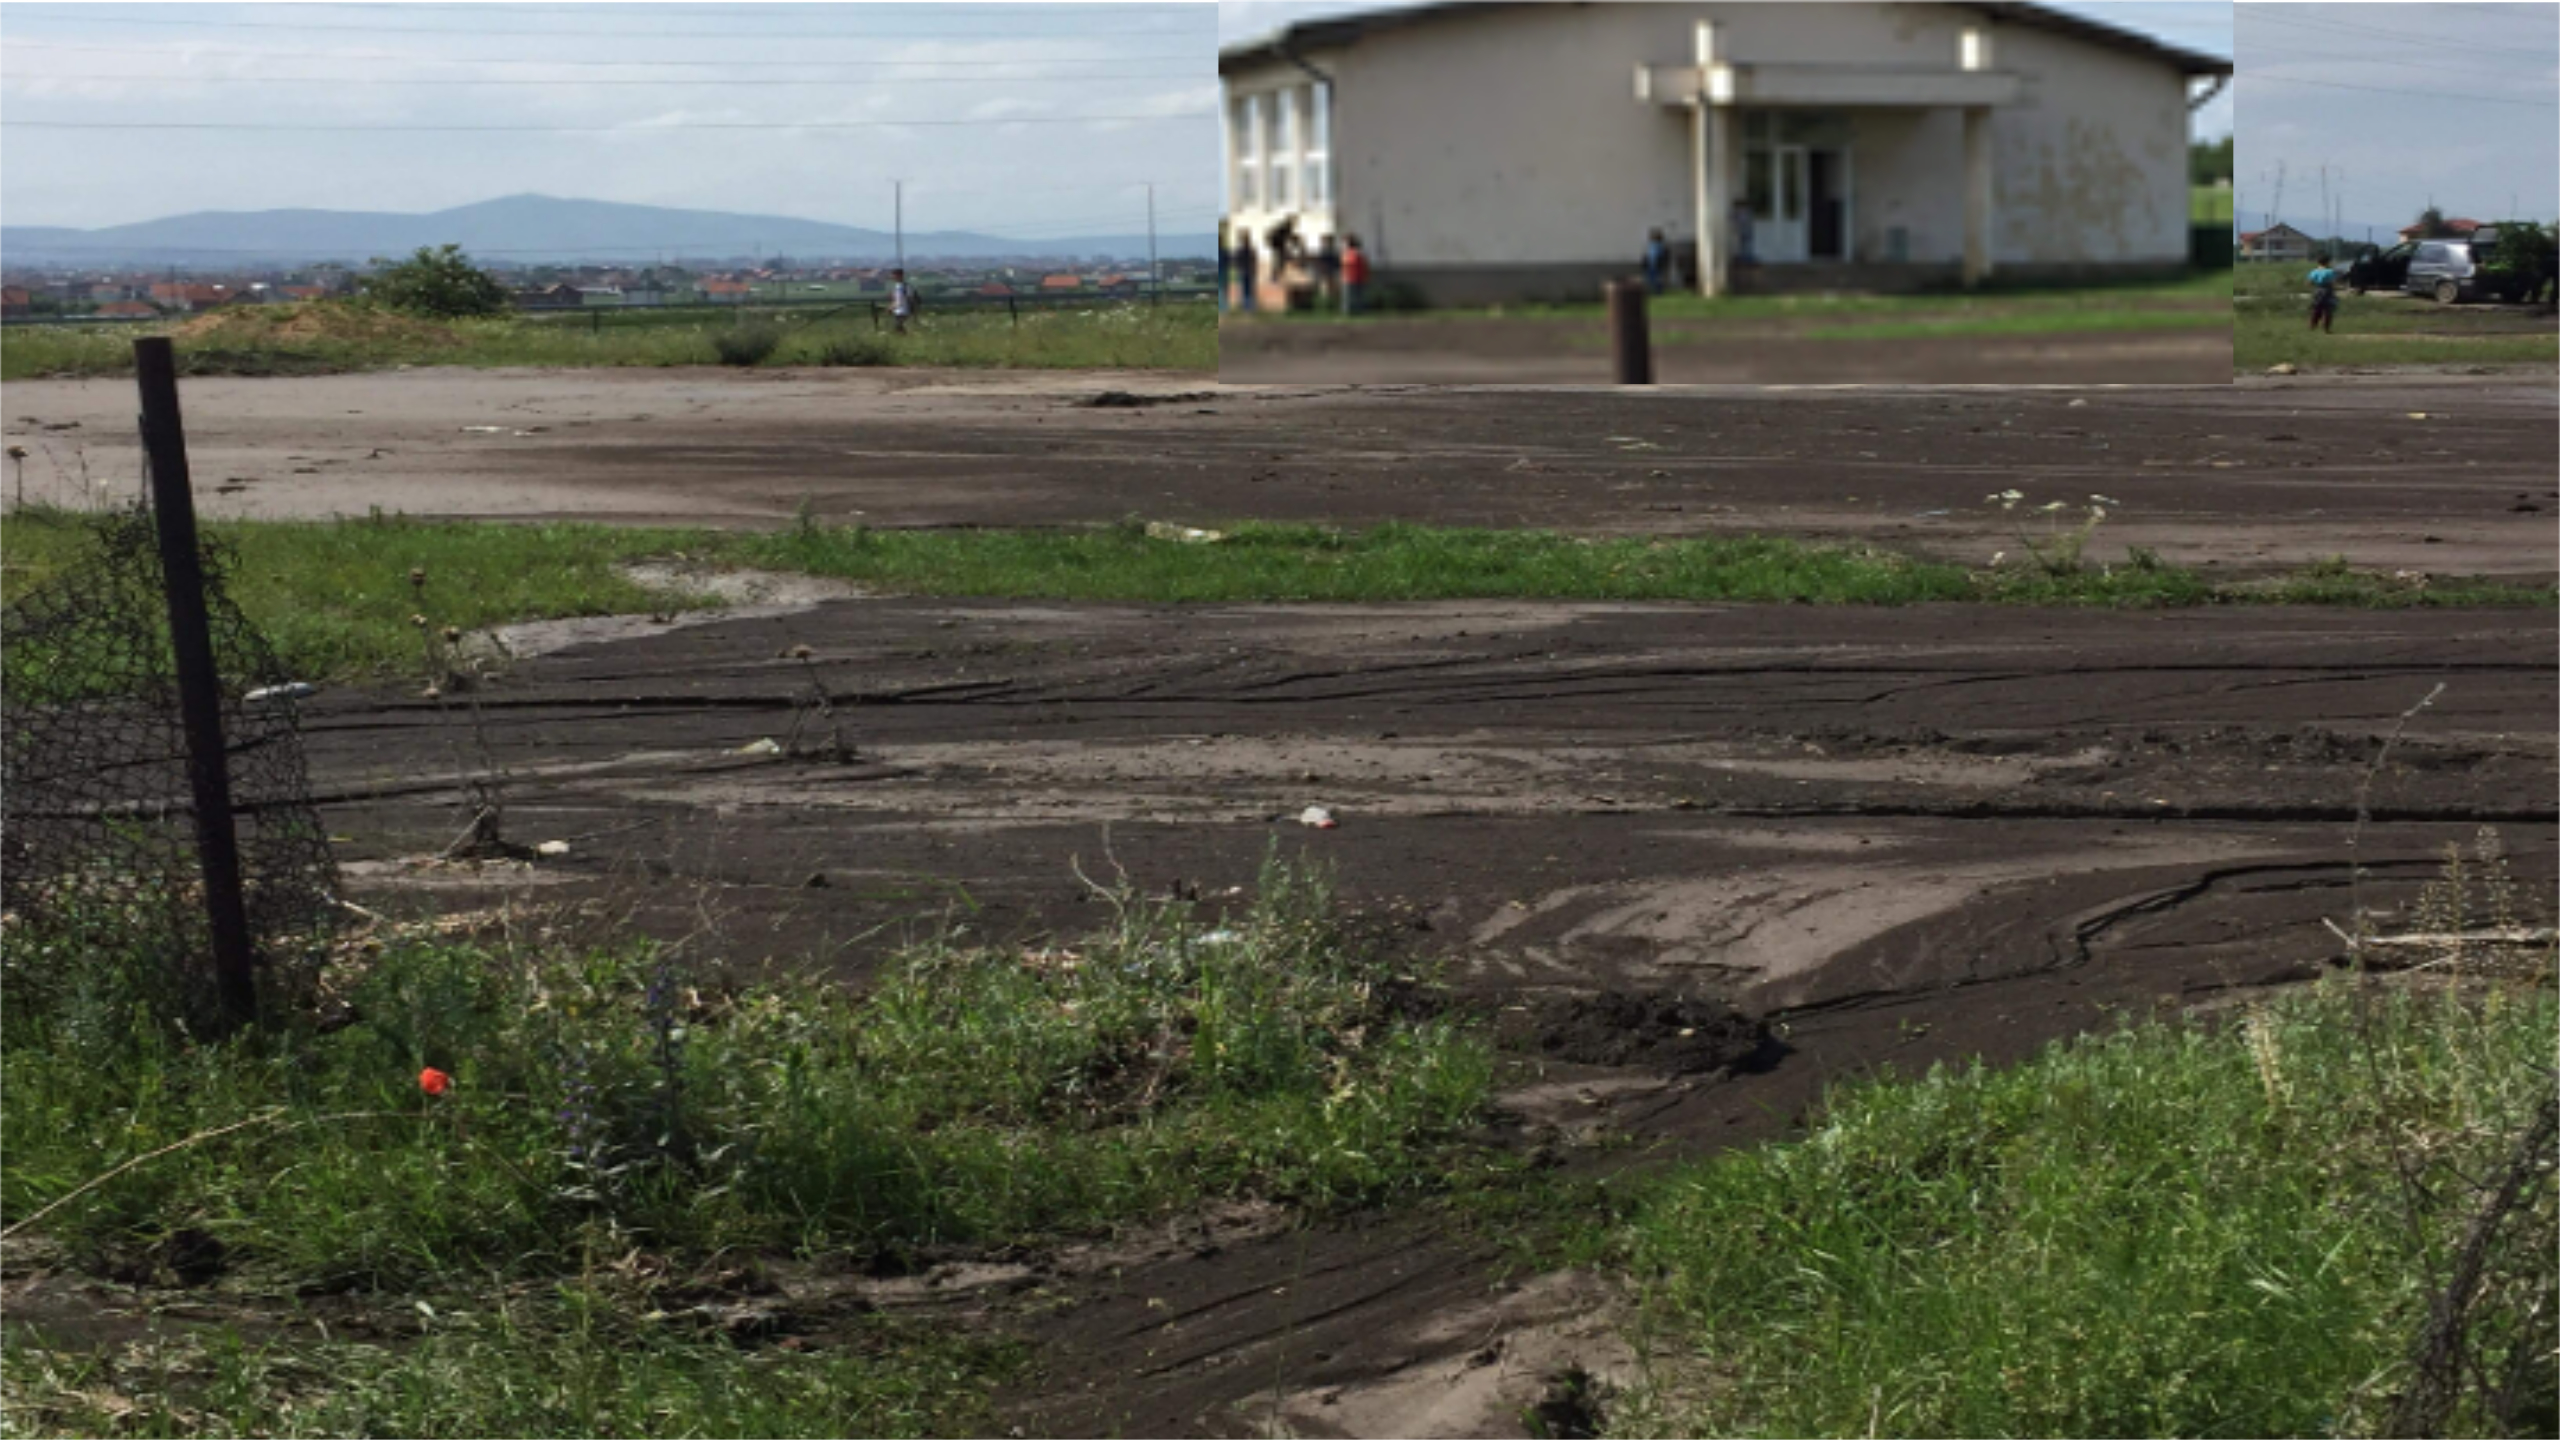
[1784,237]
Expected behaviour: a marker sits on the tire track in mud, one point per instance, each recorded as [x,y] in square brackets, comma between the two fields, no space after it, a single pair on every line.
[1892,838]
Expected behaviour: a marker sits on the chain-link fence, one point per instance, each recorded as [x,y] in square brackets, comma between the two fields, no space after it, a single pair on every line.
[99,869]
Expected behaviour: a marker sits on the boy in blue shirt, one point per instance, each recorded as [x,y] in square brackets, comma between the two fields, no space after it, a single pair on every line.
[2324,295]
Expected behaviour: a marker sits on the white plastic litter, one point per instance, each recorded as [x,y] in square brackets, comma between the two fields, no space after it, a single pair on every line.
[552,847]
[1220,937]
[484,429]
[766,746]
[1183,534]
[267,694]
[1317,817]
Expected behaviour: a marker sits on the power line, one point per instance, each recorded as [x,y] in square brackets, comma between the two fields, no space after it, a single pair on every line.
[193,51]
[2456,69]
[2404,37]
[732,34]
[595,129]
[369,81]
[2381,90]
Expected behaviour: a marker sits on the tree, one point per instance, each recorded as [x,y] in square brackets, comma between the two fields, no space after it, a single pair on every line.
[438,282]
[2431,225]
[2208,163]
[2524,262]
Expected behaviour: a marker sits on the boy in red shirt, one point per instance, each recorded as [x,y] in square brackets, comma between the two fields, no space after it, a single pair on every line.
[1355,275]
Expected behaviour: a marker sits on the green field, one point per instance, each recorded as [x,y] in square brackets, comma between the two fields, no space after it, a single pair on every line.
[337,601]
[2005,310]
[2209,204]
[2271,306]
[2175,1229]
[1174,335]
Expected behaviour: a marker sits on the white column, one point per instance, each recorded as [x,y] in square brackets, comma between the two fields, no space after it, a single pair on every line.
[1977,194]
[1710,153]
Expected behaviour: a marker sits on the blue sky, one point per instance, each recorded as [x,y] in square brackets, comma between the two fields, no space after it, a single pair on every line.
[2404,104]
[2195,24]
[802,110]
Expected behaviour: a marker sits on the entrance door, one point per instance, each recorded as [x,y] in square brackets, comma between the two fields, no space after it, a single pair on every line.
[1783,237]
[1828,207]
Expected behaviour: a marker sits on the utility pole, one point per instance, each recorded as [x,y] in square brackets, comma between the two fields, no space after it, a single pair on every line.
[898,203]
[1155,276]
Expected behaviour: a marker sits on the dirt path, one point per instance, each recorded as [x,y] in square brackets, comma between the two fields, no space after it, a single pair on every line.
[2242,477]
[1891,837]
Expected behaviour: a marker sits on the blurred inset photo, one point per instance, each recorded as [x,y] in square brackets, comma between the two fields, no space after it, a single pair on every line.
[2370,246]
[1785,192]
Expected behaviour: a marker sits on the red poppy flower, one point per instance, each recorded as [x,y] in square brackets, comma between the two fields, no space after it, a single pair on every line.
[434,1081]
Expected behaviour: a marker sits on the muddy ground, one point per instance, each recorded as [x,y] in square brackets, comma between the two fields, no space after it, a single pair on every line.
[2248,477]
[1522,350]
[1695,862]
[1883,837]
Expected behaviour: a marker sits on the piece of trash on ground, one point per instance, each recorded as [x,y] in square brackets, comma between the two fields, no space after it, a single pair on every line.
[1220,937]
[766,746]
[1184,534]
[1317,817]
[293,690]
[552,847]
[484,429]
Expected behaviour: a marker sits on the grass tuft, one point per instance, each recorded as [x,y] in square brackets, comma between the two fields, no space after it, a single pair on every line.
[2171,1229]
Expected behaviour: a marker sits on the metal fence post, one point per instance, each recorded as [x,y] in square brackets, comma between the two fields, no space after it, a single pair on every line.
[1630,340]
[173,509]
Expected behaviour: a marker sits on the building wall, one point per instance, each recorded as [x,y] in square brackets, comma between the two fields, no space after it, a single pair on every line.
[1508,141]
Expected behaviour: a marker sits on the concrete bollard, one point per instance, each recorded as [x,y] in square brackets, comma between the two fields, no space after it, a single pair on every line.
[1630,340]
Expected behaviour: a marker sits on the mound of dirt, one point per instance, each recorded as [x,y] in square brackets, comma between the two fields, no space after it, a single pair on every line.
[1669,1033]
[323,322]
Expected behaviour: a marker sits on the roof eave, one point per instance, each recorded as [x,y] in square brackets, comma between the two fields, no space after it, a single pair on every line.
[1343,30]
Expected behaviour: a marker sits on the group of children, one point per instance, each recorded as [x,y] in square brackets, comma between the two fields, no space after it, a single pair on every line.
[1342,273]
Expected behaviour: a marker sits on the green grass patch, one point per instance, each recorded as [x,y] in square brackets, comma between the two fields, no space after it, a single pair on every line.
[603,1100]
[2043,322]
[1994,300]
[492,1365]
[337,602]
[1103,335]
[2271,325]
[2169,1230]
[529,1250]
[336,599]
[2209,204]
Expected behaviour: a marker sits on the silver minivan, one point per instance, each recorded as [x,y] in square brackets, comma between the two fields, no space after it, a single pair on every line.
[2450,270]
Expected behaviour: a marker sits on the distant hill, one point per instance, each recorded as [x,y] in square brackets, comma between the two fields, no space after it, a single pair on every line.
[526,229]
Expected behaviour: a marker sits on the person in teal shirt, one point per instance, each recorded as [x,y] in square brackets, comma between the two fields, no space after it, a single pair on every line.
[2324,295]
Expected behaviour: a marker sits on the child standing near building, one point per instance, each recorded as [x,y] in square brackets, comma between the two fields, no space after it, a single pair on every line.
[2324,295]
[1355,275]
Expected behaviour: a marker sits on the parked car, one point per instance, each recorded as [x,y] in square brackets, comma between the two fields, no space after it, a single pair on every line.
[2451,270]
[2378,269]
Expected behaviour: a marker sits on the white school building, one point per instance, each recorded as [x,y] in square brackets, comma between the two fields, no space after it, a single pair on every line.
[1491,151]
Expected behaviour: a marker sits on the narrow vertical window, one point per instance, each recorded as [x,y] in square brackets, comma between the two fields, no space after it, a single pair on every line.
[1320,147]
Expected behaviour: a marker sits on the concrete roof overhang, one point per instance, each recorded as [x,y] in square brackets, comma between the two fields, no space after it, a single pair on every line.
[1344,30]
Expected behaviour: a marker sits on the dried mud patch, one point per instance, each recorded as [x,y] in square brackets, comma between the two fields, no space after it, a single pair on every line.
[1672,1034]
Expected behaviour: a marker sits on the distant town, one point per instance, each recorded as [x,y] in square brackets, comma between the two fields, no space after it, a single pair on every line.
[68,292]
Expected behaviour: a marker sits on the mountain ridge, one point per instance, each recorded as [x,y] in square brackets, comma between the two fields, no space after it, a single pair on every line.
[531,229]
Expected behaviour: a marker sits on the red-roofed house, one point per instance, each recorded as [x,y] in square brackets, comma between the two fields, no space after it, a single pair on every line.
[1060,282]
[726,292]
[2282,242]
[187,296]
[994,290]
[2453,226]
[15,300]
[127,310]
